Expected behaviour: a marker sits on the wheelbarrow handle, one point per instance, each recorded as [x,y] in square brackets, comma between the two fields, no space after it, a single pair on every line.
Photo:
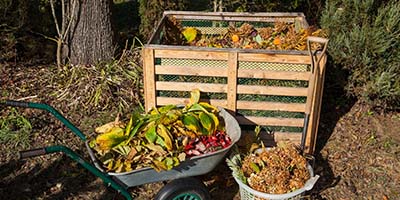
[74,156]
[32,153]
[49,109]
[16,103]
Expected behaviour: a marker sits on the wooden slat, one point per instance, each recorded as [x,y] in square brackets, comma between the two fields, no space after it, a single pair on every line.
[270,139]
[274,106]
[270,90]
[179,14]
[281,136]
[242,16]
[185,54]
[189,86]
[275,75]
[191,71]
[149,77]
[173,100]
[232,80]
[270,121]
[278,58]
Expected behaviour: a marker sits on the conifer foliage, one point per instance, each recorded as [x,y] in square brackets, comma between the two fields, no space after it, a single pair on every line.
[365,40]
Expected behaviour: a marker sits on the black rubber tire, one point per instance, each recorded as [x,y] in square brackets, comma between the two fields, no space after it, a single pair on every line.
[179,187]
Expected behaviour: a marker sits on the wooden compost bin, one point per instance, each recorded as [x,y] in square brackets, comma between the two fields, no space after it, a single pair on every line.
[273,89]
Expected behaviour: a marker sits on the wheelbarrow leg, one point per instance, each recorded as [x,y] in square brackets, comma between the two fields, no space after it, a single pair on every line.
[74,156]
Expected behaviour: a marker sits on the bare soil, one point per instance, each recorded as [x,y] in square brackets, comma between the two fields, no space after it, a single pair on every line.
[357,153]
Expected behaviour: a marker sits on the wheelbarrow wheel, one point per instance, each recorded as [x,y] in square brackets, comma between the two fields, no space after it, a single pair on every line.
[184,189]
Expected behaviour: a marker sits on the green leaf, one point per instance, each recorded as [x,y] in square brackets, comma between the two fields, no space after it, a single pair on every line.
[197,107]
[135,130]
[255,167]
[170,117]
[151,134]
[258,39]
[209,107]
[160,141]
[166,108]
[191,122]
[207,122]
[169,163]
[129,126]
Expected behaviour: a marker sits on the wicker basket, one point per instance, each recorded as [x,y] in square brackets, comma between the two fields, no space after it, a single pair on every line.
[247,193]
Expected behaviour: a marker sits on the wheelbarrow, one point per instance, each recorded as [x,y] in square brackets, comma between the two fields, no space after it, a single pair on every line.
[182,184]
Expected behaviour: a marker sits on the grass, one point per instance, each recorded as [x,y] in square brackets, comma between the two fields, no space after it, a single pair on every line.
[15,130]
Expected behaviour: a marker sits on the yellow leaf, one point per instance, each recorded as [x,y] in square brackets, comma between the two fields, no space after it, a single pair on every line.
[108,140]
[190,34]
[164,133]
[194,96]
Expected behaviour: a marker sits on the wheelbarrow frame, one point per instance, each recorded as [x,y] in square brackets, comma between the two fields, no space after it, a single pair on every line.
[193,166]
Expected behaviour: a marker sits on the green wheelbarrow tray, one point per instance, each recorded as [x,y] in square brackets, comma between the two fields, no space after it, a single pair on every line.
[192,166]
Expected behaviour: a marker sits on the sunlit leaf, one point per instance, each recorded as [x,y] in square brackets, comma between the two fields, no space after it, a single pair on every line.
[122,149]
[207,122]
[169,163]
[108,140]
[129,126]
[194,96]
[164,133]
[160,141]
[135,130]
[166,108]
[255,167]
[191,122]
[158,165]
[258,39]
[151,134]
[197,107]
[156,148]
[170,117]
[190,34]
[182,157]
[209,107]
[107,127]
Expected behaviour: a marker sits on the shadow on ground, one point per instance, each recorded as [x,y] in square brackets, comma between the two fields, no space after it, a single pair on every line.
[61,179]
[335,104]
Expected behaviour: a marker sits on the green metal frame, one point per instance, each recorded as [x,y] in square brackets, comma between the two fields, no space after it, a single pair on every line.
[59,148]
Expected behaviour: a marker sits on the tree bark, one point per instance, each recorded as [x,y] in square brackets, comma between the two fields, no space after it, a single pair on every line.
[91,38]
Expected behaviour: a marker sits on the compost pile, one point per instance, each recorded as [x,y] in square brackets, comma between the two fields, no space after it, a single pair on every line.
[161,138]
[280,36]
[276,170]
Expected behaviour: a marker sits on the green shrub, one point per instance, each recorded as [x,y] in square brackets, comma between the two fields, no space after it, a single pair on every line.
[365,40]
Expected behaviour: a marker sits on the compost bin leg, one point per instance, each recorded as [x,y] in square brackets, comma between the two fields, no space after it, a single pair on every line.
[74,156]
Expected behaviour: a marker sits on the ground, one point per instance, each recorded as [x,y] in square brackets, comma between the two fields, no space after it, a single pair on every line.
[356,156]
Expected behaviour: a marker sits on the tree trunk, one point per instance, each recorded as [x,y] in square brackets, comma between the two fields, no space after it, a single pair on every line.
[91,38]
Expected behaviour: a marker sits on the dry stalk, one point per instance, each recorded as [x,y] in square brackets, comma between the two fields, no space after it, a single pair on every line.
[65,26]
